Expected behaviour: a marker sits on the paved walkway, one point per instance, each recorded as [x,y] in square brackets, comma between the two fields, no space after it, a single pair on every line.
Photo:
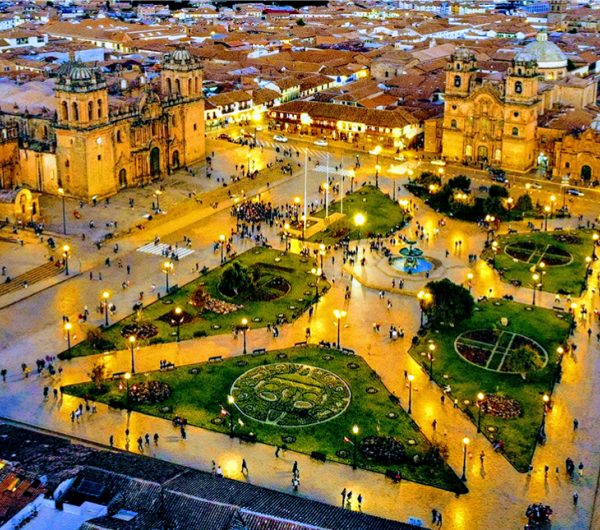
[498,495]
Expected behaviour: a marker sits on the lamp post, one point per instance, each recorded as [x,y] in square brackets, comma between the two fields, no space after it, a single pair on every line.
[536,277]
[127,377]
[178,319]
[303,225]
[546,213]
[322,254]
[480,398]
[552,201]
[588,260]
[430,357]
[297,201]
[351,175]
[106,296]
[359,220]
[541,265]
[326,188]
[545,400]
[403,203]
[509,203]
[339,315]
[231,401]
[410,380]
[423,300]
[167,268]
[355,433]
[157,194]
[470,278]
[317,273]
[66,256]
[489,219]
[377,150]
[464,474]
[62,194]
[245,331]
[68,327]
[222,245]
[286,236]
[132,340]
[495,250]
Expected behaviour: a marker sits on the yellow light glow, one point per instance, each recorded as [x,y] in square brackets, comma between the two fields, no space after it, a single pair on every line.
[466,441]
[355,429]
[480,396]
[178,310]
[68,326]
[359,219]
[411,377]
[127,375]
[131,338]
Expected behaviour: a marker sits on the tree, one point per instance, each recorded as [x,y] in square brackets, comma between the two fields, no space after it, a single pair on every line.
[98,374]
[427,178]
[94,335]
[523,360]
[498,191]
[524,203]
[460,183]
[235,279]
[449,302]
[494,206]
[300,22]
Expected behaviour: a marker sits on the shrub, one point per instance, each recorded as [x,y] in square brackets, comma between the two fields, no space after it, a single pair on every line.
[98,374]
[523,360]
[199,334]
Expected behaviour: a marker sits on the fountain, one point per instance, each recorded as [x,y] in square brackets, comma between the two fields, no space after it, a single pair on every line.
[411,260]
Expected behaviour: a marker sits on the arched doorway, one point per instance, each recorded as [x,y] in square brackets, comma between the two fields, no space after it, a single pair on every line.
[123,178]
[155,162]
[586,173]
[482,153]
[175,159]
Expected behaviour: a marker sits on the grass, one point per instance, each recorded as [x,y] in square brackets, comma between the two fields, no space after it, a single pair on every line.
[290,267]
[527,250]
[467,380]
[199,398]
[381,214]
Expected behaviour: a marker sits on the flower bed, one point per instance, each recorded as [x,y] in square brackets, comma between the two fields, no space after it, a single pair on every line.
[139,331]
[501,407]
[474,354]
[150,392]
[382,449]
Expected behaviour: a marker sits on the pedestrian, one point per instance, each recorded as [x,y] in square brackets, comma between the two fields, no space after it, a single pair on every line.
[575,498]
[295,483]
[343,497]
[434,425]
[443,399]
[439,520]
[183,433]
[3,374]
[580,467]
[359,499]
[349,501]
[147,439]
[277,451]
[140,442]
[295,467]
[156,439]
[244,466]
[575,424]
[55,392]
[111,441]
[434,513]
[482,457]
[219,472]
[127,434]
[546,469]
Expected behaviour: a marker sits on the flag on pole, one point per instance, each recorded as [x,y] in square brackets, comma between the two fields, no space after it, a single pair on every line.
[224,412]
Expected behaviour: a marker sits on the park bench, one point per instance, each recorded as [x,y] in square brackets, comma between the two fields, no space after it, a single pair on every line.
[348,351]
[251,437]
[536,229]
[322,457]
[301,344]
[558,228]
[259,351]
[118,375]
[558,308]
[215,359]
[169,367]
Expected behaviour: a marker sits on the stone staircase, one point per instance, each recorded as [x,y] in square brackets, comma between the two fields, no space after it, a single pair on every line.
[32,276]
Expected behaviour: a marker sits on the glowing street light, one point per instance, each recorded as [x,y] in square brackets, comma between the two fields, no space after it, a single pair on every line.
[430,357]
[424,299]
[167,269]
[377,150]
[546,213]
[157,194]
[359,220]
[317,272]
[106,296]
[470,278]
[322,254]
[465,444]
[256,118]
[480,398]
[410,380]
[68,327]
[66,256]
[132,340]
[355,433]
[178,319]
[127,377]
[339,315]
[222,245]
[231,401]
[245,331]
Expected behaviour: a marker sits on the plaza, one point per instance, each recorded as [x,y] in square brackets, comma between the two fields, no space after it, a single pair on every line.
[33,328]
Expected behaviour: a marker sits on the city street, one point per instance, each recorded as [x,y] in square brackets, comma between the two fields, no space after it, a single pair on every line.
[32,328]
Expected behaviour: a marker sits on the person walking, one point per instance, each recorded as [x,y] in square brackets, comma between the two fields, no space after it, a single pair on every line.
[183,433]
[295,483]
[219,472]
[575,424]
[244,466]
[359,499]
[580,467]
[111,441]
[147,439]
[295,467]
[434,514]
[156,438]
[439,520]
[434,425]
[343,497]
[277,451]
[140,442]
[482,457]
[575,498]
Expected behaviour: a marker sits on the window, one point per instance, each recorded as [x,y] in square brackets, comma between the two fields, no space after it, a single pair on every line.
[189,87]
[119,138]
[453,124]
[195,127]
[196,83]
[516,114]
[457,81]
[520,71]
[178,86]
[458,66]
[567,165]
[515,131]
[75,112]
[67,163]
[90,111]
[387,74]
[99,108]
[454,107]
[169,86]
[518,87]
[99,157]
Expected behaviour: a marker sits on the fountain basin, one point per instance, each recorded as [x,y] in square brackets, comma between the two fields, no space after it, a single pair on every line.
[411,265]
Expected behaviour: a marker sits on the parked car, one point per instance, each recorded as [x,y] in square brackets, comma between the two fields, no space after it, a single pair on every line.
[495,172]
[279,138]
[224,136]
[498,178]
[573,191]
[322,143]
[535,186]
[438,162]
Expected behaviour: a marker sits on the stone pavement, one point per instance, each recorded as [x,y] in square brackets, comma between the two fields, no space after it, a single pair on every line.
[498,495]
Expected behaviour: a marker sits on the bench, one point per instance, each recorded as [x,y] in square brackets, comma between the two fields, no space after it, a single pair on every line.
[536,229]
[215,359]
[169,367]
[558,308]
[301,344]
[251,437]
[348,351]
[322,457]
[558,228]
[118,375]
[259,351]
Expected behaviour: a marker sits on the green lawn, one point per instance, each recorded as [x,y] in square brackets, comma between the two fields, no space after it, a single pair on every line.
[467,380]
[292,268]
[199,397]
[380,211]
[565,262]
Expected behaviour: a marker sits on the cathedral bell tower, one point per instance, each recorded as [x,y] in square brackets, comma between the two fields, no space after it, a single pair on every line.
[461,72]
[181,75]
[522,80]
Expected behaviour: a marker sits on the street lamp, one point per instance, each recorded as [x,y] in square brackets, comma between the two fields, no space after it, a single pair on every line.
[465,444]
[167,268]
[286,236]
[423,300]
[222,245]
[495,250]
[317,273]
[536,277]
[351,175]
[552,201]
[157,194]
[509,203]
[355,432]
[127,377]
[430,357]
[106,296]
[245,331]
[325,186]
[377,150]
[322,254]
[62,194]
[546,213]
[231,401]
[359,220]
[589,263]
[404,204]
[132,344]
[66,256]
[545,400]
[297,201]
[178,319]
[470,278]
[303,225]
[68,327]
[339,315]
[410,380]
[480,398]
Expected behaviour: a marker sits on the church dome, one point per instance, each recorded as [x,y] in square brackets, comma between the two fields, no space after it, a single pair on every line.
[181,55]
[80,73]
[546,53]
[595,125]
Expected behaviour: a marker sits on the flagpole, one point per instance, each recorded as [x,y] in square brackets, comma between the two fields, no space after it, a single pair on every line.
[342,199]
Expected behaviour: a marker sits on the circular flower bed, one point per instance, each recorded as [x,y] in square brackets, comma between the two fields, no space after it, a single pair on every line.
[150,392]
[382,449]
[288,439]
[140,332]
[501,406]
[343,453]
[352,366]
[242,363]
[372,390]
[172,317]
